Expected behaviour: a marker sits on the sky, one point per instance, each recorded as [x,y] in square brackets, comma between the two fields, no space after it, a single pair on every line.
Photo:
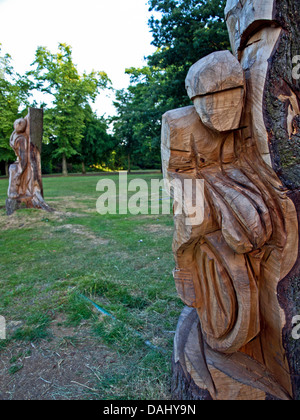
[105,35]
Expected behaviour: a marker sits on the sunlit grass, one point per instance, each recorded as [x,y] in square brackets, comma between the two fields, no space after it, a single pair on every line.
[123,263]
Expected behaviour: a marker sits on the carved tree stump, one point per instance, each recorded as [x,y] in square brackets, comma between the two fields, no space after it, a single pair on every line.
[228,372]
[238,269]
[25,175]
[274,28]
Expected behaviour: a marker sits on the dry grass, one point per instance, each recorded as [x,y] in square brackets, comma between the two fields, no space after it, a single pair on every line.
[59,345]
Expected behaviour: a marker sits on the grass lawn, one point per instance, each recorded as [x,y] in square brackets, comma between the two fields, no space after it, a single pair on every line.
[53,266]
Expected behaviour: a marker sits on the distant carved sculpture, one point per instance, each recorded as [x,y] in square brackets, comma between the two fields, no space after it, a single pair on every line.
[229,268]
[25,177]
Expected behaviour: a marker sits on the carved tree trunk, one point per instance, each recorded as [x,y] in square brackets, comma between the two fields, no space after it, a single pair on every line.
[282,118]
[276,95]
[25,175]
[265,39]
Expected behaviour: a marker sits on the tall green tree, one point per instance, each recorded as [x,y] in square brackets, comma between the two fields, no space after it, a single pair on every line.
[137,125]
[187,31]
[13,101]
[124,124]
[97,144]
[56,74]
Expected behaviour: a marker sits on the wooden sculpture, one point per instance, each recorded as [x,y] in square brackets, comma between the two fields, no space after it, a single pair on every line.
[235,271]
[25,177]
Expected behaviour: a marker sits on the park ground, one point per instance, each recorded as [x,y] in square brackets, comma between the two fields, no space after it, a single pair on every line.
[57,271]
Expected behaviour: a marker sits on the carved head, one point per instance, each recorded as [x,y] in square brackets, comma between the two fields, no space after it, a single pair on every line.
[246,17]
[216,84]
[20,125]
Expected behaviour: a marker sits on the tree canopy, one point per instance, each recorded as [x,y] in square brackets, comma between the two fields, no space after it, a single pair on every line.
[186,31]
[13,93]
[57,75]
[97,144]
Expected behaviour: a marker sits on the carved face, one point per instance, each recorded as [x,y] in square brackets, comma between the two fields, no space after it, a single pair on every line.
[20,125]
[216,85]
[221,111]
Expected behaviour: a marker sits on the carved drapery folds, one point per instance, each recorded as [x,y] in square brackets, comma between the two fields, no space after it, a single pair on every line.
[229,268]
[25,177]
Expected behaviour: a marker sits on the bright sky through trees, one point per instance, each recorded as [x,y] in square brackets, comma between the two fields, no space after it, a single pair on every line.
[108,35]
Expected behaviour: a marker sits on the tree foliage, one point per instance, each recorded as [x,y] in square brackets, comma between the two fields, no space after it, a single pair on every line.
[13,94]
[57,75]
[186,31]
[137,125]
[97,144]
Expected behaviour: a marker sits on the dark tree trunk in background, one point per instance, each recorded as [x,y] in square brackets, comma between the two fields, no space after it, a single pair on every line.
[64,165]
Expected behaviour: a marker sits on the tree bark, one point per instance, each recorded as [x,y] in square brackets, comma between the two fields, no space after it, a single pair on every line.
[265,363]
[64,165]
[183,387]
[25,175]
[281,105]
[129,163]
[6,169]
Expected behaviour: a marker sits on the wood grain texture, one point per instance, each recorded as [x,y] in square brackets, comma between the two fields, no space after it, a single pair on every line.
[25,175]
[206,374]
[217,72]
[266,49]
[233,265]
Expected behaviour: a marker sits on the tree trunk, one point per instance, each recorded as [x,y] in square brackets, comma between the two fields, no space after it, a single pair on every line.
[282,116]
[6,169]
[263,363]
[25,175]
[271,55]
[83,169]
[129,163]
[64,165]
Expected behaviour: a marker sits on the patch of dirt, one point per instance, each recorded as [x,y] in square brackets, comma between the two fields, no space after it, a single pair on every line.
[21,220]
[83,231]
[76,203]
[32,219]
[160,229]
[67,367]
[37,218]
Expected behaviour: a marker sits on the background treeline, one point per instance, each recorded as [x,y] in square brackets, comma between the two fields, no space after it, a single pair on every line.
[75,137]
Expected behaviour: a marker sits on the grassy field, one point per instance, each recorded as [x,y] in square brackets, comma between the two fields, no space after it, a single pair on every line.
[55,269]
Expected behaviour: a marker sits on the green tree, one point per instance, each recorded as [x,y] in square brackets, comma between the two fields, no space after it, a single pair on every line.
[56,74]
[187,31]
[137,125]
[124,124]
[97,144]
[13,101]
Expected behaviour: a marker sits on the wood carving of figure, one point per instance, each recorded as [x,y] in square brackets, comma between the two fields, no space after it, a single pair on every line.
[20,143]
[25,178]
[228,267]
